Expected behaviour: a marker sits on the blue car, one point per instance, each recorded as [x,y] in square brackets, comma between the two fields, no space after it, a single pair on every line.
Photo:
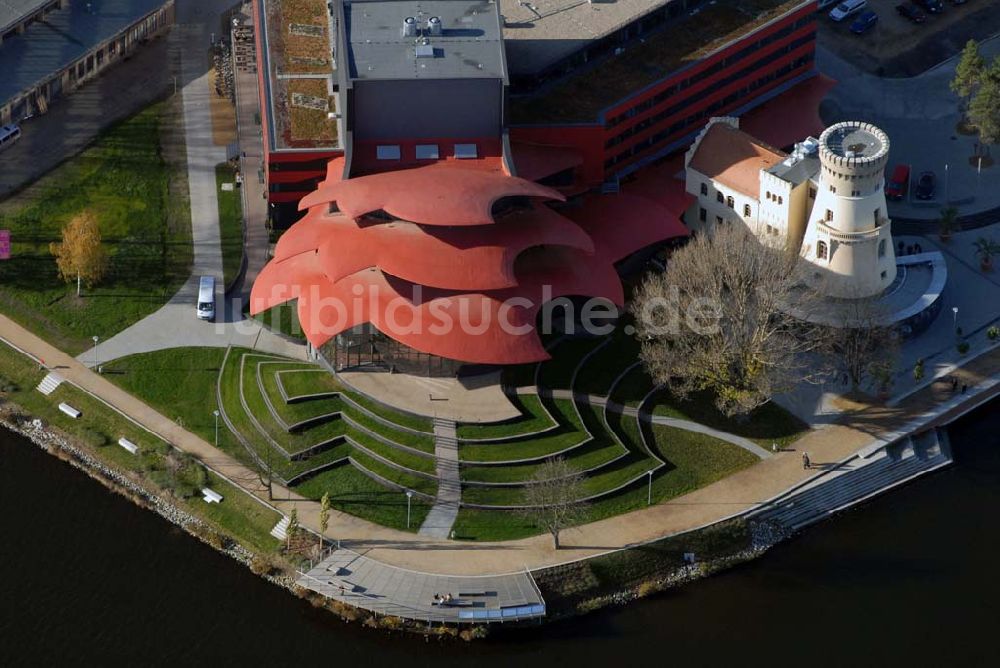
[864,22]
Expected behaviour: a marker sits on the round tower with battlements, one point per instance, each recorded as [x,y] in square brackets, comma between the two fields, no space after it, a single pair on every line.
[848,245]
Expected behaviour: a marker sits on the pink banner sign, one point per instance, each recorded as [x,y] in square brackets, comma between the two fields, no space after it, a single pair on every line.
[4,244]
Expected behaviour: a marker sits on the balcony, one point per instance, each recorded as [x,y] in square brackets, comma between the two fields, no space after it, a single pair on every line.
[853,237]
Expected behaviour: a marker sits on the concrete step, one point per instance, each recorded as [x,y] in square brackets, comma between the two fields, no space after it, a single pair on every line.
[280,529]
[857,480]
[50,383]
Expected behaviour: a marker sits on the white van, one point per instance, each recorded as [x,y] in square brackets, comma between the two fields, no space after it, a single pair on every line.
[846,8]
[206,298]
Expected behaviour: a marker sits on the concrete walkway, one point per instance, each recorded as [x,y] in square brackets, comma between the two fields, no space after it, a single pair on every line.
[736,494]
[442,515]
[175,324]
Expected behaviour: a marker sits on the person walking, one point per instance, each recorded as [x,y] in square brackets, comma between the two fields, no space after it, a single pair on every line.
[806,464]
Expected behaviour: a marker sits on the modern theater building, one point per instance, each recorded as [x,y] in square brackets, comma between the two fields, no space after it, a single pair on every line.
[452,155]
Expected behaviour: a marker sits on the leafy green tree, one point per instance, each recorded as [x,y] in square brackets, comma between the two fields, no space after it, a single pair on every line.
[984,110]
[969,71]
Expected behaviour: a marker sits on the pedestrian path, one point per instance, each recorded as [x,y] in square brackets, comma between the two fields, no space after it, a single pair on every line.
[442,515]
[355,579]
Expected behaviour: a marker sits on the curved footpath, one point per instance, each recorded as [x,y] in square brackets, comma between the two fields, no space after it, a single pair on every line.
[731,496]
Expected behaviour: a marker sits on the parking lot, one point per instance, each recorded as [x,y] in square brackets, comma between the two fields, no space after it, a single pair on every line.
[898,47]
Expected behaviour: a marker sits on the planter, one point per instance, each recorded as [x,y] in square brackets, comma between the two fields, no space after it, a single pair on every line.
[986,264]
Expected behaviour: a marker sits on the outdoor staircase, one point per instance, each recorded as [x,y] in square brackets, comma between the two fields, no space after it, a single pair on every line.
[858,479]
[50,383]
[280,530]
[442,515]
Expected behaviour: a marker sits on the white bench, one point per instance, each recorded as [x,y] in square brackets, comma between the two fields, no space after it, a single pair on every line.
[69,410]
[210,496]
[128,445]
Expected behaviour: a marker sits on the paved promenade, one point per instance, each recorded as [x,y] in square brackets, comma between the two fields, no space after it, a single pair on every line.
[738,493]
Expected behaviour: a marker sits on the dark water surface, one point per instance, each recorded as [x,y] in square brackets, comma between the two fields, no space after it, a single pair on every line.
[911,578]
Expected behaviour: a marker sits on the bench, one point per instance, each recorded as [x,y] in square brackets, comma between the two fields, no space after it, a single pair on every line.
[128,445]
[210,496]
[69,410]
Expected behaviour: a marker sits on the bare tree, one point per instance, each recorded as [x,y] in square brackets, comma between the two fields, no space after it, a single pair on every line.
[717,320]
[552,496]
[863,344]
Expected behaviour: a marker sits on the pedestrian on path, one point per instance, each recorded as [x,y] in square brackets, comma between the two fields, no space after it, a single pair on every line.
[806,464]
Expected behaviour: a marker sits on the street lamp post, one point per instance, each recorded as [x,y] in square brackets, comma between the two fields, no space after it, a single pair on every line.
[649,489]
[97,364]
[954,313]
[409,495]
[216,414]
[946,183]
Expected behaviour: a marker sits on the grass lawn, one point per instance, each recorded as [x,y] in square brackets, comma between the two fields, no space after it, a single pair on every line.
[230,222]
[768,424]
[238,515]
[693,461]
[352,492]
[533,419]
[140,202]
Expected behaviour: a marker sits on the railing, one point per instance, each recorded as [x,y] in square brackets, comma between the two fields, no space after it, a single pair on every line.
[851,236]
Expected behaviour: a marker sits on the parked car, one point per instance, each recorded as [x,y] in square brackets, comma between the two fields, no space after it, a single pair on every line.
[823,4]
[864,22]
[912,13]
[926,184]
[899,182]
[206,298]
[847,8]
[932,6]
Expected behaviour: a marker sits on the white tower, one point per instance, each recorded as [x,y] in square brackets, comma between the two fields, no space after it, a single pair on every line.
[847,243]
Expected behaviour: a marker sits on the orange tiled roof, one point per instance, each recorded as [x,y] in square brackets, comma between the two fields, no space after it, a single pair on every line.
[733,158]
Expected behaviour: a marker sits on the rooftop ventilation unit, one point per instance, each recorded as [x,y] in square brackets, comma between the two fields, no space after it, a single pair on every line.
[434,25]
[409,27]
[424,51]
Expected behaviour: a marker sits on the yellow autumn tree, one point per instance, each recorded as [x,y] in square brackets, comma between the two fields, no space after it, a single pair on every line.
[81,256]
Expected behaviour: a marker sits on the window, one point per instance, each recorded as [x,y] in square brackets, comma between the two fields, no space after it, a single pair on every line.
[718,220]
[387,152]
[812,193]
[770,230]
[702,214]
[730,202]
[427,151]
[781,200]
[719,198]
[466,151]
[881,252]
[833,189]
[746,210]
[769,195]
[829,216]
[884,275]
[855,193]
[704,188]
[821,252]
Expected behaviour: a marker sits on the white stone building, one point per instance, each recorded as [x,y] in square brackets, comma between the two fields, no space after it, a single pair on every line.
[825,200]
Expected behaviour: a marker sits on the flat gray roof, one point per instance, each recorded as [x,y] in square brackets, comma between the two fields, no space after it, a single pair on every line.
[469,46]
[542,32]
[66,34]
[12,11]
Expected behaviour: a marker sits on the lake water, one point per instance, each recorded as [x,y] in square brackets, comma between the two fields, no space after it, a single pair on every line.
[88,578]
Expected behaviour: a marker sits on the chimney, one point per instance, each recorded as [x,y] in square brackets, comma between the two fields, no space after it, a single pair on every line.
[409,27]
[434,25]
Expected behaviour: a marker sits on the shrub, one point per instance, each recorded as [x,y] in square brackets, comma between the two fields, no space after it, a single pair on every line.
[993,333]
[7,385]
[918,370]
[963,347]
[94,438]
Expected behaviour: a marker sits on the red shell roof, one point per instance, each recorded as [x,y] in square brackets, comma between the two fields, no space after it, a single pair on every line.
[435,195]
[461,258]
[454,262]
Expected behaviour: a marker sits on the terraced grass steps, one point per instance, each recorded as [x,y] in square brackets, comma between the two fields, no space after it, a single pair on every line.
[534,421]
[569,434]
